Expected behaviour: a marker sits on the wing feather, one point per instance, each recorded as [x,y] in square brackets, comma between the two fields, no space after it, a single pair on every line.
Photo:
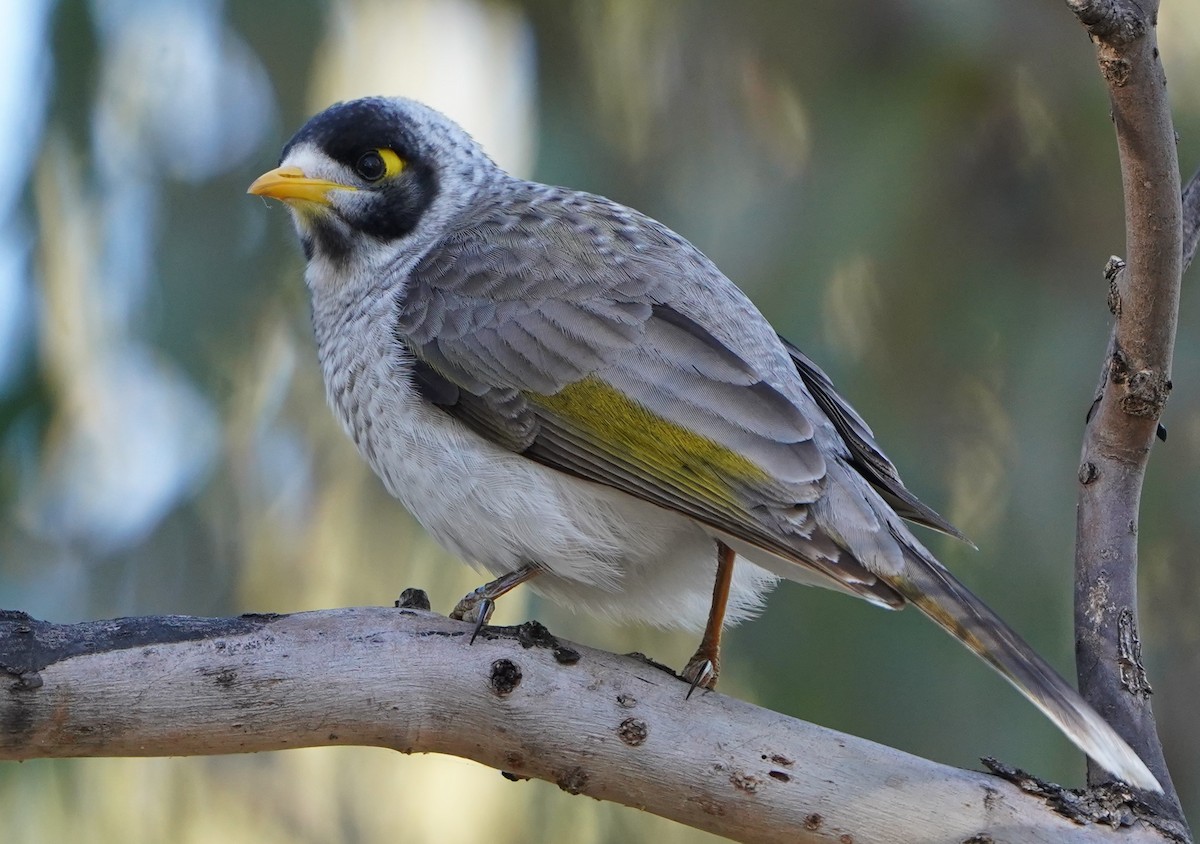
[535,343]
[866,455]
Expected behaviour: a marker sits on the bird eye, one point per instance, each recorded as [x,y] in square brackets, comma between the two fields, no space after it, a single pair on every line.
[371,166]
[377,163]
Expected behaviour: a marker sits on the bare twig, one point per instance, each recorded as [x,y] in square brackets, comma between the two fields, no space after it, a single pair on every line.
[1144,296]
[613,728]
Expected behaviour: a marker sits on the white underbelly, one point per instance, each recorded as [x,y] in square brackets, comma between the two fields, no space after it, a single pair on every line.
[601,550]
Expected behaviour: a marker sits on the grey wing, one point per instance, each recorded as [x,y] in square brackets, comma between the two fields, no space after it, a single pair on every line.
[866,455]
[536,324]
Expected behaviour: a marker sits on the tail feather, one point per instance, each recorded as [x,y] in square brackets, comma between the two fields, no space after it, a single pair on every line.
[952,606]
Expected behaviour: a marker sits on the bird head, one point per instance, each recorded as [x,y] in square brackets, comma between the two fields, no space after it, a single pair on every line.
[371,184]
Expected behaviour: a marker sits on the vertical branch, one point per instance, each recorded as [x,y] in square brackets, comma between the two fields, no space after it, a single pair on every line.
[1144,298]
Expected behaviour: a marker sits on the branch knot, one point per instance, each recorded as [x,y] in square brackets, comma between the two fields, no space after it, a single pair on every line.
[1146,390]
[1111,22]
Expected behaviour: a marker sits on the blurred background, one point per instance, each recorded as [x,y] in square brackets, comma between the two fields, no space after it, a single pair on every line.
[922,194]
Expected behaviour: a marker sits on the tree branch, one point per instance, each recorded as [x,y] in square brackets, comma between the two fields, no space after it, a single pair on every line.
[611,727]
[1144,297]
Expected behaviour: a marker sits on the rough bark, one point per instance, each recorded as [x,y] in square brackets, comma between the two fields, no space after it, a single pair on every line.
[1136,380]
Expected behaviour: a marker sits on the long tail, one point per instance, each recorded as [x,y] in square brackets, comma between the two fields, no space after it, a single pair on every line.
[937,594]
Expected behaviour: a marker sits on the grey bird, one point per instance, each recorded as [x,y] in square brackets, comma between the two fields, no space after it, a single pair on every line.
[566,392]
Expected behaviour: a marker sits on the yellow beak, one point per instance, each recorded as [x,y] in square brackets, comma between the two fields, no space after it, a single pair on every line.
[290,184]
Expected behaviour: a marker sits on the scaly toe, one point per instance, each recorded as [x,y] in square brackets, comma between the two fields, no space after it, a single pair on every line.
[466,609]
[476,608]
[700,672]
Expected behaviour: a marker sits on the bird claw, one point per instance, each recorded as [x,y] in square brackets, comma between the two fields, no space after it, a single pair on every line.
[700,672]
[483,613]
[476,607]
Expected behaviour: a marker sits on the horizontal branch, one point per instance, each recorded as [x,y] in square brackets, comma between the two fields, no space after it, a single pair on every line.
[611,727]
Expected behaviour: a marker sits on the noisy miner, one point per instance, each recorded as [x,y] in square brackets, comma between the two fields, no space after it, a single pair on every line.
[566,392]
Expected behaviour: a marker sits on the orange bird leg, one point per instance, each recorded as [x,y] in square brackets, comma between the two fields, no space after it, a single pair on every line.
[704,666]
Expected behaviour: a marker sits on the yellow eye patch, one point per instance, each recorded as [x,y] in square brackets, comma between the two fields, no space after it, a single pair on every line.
[377,164]
[392,162]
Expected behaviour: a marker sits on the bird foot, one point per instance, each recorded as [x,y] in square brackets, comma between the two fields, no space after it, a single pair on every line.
[475,606]
[701,672]
[478,606]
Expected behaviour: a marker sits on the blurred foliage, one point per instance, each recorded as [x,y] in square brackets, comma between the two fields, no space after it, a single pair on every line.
[922,194]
